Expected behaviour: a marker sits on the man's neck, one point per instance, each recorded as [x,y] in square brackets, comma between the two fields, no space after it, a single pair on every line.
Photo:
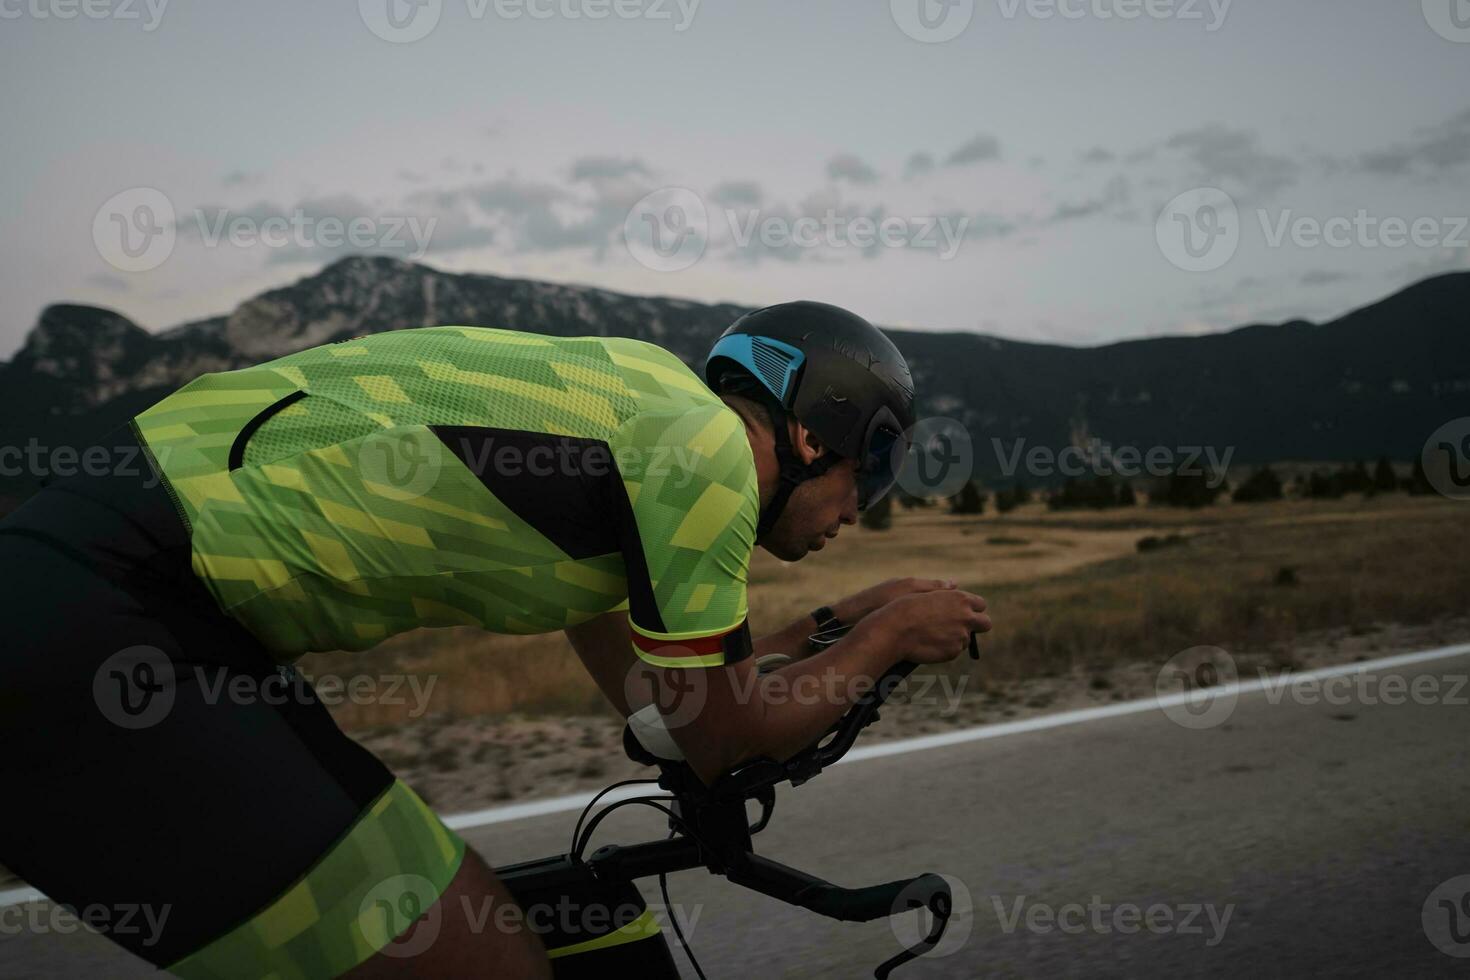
[762,445]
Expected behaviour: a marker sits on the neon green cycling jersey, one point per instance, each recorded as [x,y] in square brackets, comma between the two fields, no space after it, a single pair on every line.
[465,475]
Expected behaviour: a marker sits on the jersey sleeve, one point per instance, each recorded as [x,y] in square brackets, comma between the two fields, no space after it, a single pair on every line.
[694,504]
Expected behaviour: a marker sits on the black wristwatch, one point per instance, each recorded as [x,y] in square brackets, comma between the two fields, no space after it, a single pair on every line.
[825,619]
[826,623]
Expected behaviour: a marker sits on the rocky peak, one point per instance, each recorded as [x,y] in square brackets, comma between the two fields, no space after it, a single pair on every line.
[83,345]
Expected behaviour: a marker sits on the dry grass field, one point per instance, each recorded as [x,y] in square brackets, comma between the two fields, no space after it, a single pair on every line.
[1069,592]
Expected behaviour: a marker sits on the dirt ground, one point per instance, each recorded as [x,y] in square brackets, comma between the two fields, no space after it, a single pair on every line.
[471,764]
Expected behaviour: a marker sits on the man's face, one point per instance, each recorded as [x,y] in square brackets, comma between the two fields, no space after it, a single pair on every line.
[815,512]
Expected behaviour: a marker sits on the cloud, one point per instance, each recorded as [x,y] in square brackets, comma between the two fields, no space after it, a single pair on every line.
[1439,262]
[918,164]
[1221,153]
[411,176]
[1437,149]
[1098,154]
[599,168]
[1114,193]
[529,216]
[109,282]
[733,192]
[1325,277]
[239,178]
[850,167]
[979,149]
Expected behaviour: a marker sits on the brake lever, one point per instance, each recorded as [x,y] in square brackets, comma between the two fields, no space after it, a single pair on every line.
[940,904]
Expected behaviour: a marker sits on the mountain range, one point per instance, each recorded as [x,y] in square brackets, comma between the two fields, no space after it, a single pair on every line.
[1376,381]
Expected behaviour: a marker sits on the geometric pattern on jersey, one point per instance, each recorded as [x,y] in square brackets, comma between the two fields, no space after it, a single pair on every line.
[392,865]
[331,501]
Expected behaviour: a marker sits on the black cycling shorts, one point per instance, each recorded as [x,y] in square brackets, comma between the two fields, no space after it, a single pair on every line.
[165,774]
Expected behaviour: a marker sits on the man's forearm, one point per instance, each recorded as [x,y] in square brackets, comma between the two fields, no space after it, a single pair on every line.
[790,639]
[794,706]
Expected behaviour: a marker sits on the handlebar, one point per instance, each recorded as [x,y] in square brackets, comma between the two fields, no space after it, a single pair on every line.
[714,830]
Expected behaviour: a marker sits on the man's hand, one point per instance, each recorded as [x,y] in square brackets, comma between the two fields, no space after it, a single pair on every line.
[852,609]
[929,627]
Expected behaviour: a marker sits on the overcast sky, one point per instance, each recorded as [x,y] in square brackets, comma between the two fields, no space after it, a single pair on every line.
[1028,169]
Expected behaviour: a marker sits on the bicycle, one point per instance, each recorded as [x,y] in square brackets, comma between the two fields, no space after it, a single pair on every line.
[709,828]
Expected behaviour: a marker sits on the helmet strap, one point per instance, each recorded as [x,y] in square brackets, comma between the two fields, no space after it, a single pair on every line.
[793,471]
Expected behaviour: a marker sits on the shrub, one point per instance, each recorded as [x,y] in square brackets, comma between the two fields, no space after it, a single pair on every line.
[970,500]
[1187,490]
[1263,484]
[1098,493]
[1385,480]
[879,516]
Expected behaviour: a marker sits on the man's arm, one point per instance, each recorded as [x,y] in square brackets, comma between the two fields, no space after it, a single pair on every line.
[737,715]
[792,638]
[602,644]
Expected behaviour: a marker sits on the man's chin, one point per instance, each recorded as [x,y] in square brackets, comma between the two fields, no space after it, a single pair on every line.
[787,552]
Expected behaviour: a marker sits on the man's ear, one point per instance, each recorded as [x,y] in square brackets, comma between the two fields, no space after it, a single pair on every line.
[806,445]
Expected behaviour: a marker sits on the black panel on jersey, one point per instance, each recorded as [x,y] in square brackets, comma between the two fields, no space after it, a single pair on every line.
[566,487]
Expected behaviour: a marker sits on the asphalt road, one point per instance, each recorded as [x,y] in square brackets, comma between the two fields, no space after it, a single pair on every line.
[1293,839]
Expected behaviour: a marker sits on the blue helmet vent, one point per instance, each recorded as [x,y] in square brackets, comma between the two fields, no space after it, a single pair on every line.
[772,362]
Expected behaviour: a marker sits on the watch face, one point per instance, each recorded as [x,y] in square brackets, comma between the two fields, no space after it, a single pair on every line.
[823,639]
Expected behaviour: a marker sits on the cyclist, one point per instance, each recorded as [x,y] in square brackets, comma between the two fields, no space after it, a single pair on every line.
[429,477]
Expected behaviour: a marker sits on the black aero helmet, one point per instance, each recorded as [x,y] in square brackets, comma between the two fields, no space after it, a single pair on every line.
[839,375]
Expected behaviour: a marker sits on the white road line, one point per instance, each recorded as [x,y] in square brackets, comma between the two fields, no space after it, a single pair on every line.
[576,801]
